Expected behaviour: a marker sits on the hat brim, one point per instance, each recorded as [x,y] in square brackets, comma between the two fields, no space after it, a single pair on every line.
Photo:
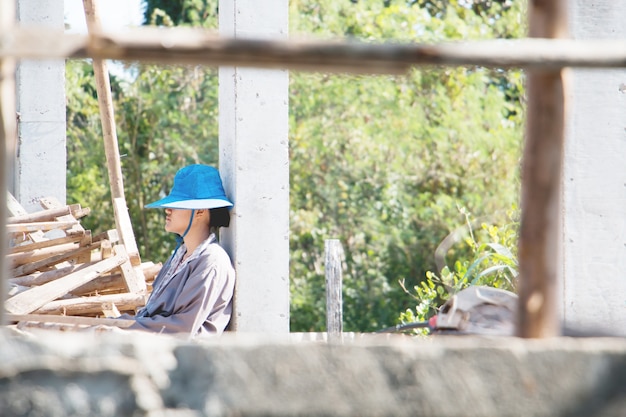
[190,204]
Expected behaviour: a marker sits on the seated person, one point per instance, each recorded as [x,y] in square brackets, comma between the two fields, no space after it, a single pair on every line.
[192,294]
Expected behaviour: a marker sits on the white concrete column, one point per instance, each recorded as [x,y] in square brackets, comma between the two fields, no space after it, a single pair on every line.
[594,192]
[254,163]
[40,168]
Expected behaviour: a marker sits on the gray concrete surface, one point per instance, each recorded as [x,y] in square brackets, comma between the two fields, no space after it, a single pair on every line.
[53,373]
[40,86]
[594,180]
[254,163]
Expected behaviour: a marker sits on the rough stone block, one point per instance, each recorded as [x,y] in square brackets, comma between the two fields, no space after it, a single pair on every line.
[127,373]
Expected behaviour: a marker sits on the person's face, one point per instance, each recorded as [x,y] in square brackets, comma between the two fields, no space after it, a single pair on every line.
[177,220]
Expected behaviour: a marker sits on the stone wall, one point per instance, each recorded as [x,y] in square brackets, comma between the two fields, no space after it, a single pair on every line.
[121,373]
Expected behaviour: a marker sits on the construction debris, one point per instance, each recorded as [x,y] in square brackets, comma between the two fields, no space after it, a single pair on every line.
[58,269]
[475,310]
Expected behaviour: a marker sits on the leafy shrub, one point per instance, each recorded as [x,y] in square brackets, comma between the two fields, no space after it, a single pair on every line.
[493,263]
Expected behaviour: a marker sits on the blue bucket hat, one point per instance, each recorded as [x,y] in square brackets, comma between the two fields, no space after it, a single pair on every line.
[195,187]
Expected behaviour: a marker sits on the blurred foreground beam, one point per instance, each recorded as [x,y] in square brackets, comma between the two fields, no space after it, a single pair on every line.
[538,254]
[8,139]
[196,46]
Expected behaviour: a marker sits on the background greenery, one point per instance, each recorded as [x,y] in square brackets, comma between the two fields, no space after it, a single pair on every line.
[399,168]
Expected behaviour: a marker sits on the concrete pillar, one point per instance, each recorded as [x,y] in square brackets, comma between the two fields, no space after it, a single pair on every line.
[40,166]
[594,182]
[254,162]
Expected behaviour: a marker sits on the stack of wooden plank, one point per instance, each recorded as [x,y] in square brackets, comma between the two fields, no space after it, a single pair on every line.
[59,269]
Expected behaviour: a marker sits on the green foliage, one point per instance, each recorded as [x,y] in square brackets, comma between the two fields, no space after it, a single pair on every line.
[382,162]
[198,13]
[493,263]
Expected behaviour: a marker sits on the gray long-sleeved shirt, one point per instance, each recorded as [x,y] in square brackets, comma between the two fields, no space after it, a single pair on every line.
[191,296]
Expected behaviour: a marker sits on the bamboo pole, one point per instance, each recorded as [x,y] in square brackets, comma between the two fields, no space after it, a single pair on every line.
[105,102]
[107,115]
[8,139]
[181,46]
[541,173]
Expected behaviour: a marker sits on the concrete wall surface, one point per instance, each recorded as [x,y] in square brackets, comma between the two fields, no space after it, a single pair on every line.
[254,163]
[594,178]
[40,84]
[122,373]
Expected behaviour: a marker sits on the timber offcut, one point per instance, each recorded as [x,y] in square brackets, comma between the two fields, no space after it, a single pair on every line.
[62,275]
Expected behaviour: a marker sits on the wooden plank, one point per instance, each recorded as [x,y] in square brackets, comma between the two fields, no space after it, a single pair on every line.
[14,207]
[107,118]
[151,270]
[105,103]
[92,305]
[40,278]
[53,260]
[133,277]
[80,212]
[40,216]
[43,226]
[52,202]
[110,235]
[113,282]
[30,300]
[105,284]
[106,249]
[30,246]
[196,46]
[22,258]
[84,321]
[538,254]
[125,230]
[110,310]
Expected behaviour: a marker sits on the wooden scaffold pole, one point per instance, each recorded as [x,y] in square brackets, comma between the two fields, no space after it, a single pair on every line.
[105,101]
[194,46]
[8,139]
[538,256]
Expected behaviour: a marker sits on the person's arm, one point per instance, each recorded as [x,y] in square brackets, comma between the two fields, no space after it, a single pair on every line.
[206,287]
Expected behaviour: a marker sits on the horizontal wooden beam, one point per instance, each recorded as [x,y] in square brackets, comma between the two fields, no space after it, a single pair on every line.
[40,216]
[43,226]
[92,305]
[198,46]
[74,320]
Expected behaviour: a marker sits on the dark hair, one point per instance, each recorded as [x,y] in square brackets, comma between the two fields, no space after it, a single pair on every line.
[220,217]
